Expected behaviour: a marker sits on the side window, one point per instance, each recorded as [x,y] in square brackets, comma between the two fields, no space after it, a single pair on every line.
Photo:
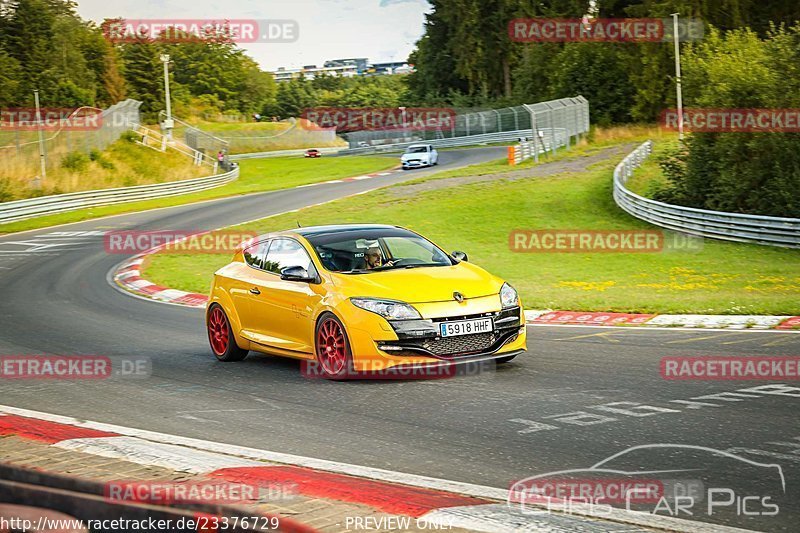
[285,253]
[255,254]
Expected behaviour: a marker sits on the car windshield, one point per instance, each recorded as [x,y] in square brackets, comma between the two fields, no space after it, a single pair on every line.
[417,149]
[360,251]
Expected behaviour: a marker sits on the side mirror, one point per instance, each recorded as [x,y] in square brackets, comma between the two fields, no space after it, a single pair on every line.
[459,256]
[295,273]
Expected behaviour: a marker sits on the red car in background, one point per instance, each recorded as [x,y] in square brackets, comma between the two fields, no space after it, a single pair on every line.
[312,152]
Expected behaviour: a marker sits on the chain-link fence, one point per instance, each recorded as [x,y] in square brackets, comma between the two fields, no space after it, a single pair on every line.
[21,151]
[565,117]
[553,123]
[195,138]
[255,137]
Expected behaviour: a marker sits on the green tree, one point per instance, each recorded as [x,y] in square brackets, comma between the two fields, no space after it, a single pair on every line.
[599,73]
[143,72]
[737,171]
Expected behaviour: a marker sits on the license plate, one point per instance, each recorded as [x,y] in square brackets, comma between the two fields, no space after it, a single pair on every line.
[465,327]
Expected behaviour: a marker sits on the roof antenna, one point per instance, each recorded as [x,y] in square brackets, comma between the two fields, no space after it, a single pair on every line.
[298,224]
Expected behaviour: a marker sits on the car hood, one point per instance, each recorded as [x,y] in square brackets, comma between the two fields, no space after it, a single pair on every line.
[421,285]
[421,155]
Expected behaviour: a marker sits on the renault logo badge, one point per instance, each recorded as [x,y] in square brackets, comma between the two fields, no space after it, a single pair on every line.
[457,296]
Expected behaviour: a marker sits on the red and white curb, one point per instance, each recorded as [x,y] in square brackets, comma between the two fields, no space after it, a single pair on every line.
[355,178]
[429,501]
[573,318]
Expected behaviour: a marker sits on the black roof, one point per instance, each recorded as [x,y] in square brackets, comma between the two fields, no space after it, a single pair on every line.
[340,228]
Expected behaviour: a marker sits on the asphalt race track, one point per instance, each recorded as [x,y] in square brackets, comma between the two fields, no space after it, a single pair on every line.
[578,396]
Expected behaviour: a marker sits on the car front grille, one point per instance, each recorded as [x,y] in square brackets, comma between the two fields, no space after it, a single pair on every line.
[461,345]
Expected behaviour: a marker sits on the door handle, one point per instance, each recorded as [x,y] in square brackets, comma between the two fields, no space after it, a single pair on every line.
[255,290]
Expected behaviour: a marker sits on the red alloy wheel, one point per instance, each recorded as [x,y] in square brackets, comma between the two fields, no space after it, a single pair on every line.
[331,347]
[218,331]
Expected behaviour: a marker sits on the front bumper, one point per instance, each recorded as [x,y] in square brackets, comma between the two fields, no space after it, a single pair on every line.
[414,163]
[409,343]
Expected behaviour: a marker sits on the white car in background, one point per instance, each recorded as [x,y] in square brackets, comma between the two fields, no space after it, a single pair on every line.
[419,155]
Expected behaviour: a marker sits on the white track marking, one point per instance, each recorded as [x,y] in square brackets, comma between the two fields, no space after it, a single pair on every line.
[143,452]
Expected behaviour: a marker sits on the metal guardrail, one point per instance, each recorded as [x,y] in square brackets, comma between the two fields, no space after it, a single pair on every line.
[759,229]
[59,203]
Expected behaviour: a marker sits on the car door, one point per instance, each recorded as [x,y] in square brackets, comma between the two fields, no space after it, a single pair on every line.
[245,283]
[283,310]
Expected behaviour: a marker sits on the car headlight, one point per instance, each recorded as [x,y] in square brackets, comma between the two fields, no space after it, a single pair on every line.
[388,309]
[508,296]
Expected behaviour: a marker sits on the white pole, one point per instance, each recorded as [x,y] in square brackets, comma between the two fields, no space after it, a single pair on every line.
[42,157]
[676,39]
[168,122]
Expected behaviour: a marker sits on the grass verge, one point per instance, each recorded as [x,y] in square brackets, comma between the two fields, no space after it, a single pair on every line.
[257,175]
[477,217]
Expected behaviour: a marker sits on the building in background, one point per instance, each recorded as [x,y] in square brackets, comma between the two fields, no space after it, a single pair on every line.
[311,71]
[360,63]
[391,67]
[356,66]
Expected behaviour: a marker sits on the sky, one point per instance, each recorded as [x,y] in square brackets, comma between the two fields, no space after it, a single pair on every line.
[381,30]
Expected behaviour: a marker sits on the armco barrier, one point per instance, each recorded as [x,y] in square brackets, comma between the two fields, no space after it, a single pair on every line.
[59,203]
[773,231]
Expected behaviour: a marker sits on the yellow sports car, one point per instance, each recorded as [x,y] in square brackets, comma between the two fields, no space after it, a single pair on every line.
[354,299]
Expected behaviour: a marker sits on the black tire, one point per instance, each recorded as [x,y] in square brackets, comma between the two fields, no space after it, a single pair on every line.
[220,336]
[326,328]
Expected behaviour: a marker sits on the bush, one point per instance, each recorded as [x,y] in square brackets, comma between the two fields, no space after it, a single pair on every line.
[98,157]
[6,195]
[129,136]
[755,173]
[75,161]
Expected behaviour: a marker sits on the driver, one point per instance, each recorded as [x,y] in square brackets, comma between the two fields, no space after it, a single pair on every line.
[373,257]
